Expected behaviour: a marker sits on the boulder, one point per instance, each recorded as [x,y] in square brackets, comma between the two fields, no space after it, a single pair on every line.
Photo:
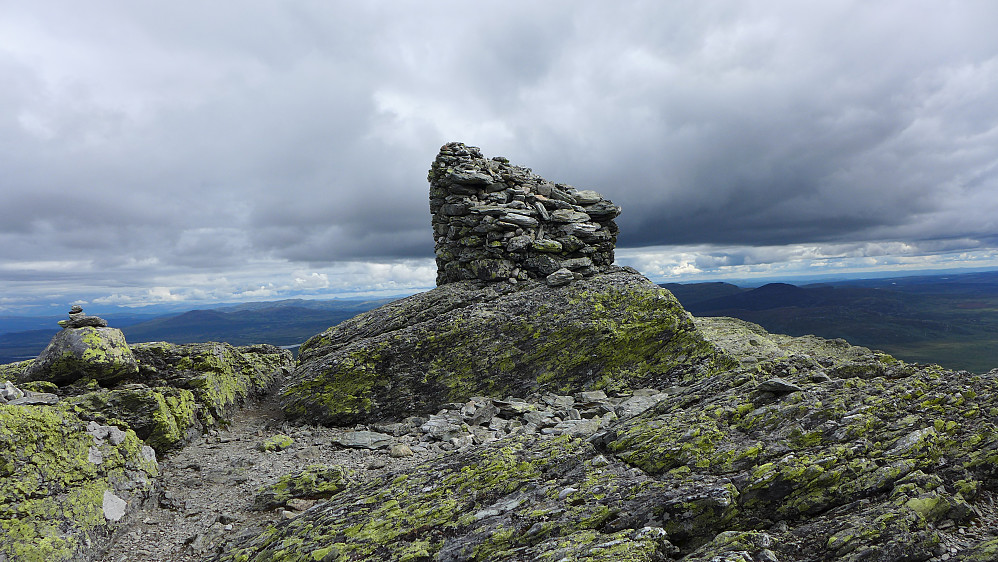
[164,417]
[312,482]
[613,331]
[78,459]
[185,389]
[99,353]
[221,376]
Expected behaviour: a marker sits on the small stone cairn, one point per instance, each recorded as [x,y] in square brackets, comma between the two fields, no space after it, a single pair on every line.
[494,221]
[79,319]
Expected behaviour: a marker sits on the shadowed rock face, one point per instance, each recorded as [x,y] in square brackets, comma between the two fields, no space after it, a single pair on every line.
[494,221]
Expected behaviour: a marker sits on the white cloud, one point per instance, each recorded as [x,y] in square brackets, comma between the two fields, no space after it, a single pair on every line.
[312,280]
[674,264]
[229,150]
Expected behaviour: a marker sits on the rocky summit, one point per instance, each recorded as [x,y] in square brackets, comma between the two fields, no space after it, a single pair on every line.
[613,331]
[506,415]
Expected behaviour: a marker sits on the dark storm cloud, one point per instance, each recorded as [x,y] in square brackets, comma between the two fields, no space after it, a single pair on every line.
[175,144]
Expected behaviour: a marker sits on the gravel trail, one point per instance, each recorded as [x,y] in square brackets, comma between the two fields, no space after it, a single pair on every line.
[206,490]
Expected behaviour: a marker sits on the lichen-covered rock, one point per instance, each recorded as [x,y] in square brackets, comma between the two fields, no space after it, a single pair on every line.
[612,331]
[219,375]
[72,472]
[164,417]
[65,484]
[277,442]
[15,371]
[852,455]
[313,482]
[520,499]
[99,353]
[181,390]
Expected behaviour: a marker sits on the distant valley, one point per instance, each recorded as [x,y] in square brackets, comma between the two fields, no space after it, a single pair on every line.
[285,323]
[951,320]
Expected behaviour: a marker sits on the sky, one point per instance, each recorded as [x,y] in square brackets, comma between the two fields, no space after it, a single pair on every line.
[198,152]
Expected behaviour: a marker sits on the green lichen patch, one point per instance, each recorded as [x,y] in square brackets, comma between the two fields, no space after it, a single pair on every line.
[277,442]
[877,450]
[15,371]
[313,482]
[735,545]
[53,477]
[220,376]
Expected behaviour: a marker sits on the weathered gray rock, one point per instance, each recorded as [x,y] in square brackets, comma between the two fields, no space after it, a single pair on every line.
[444,425]
[10,392]
[567,215]
[777,385]
[64,492]
[637,404]
[35,399]
[315,481]
[849,468]
[458,341]
[547,245]
[515,219]
[587,197]
[185,389]
[78,319]
[83,321]
[400,450]
[89,352]
[113,506]
[561,277]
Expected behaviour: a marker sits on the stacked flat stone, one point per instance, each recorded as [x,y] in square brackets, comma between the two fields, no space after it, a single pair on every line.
[494,221]
[79,319]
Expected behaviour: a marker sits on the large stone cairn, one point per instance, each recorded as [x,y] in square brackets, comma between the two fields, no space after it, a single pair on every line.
[493,221]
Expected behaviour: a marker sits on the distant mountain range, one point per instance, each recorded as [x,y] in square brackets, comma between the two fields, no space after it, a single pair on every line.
[947,319]
[286,323]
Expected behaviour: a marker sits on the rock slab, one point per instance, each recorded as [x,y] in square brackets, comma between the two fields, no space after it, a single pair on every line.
[612,331]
